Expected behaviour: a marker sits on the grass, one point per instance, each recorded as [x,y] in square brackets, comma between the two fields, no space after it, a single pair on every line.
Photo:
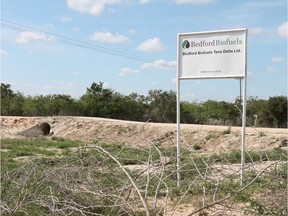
[261,134]
[227,131]
[212,135]
[55,161]
[196,147]
[131,155]
[37,147]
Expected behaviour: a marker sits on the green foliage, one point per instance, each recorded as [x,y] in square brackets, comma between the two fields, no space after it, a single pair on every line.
[196,147]
[88,180]
[157,106]
[261,134]
[38,147]
[227,131]
[130,156]
[250,156]
[212,135]
[162,105]
[277,107]
[11,103]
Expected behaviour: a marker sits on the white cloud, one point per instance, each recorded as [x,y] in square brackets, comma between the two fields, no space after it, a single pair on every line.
[279,59]
[127,70]
[106,84]
[256,31]
[75,29]
[70,85]
[65,19]
[194,1]
[132,31]
[283,29]
[245,12]
[154,83]
[271,69]
[26,37]
[151,45]
[188,96]
[108,37]
[50,25]
[160,65]
[111,10]
[250,74]
[93,7]
[3,52]
[144,1]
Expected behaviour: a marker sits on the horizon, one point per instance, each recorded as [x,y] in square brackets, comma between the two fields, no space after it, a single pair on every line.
[62,47]
[145,95]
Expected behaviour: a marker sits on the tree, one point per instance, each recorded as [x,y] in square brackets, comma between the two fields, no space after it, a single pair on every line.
[30,106]
[11,103]
[162,105]
[60,104]
[277,107]
[6,95]
[257,114]
[6,91]
[96,101]
[16,104]
[190,113]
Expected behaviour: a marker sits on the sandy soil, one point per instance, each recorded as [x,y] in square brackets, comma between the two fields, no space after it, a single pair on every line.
[210,138]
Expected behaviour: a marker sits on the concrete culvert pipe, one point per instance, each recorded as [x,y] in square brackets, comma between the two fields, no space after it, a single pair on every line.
[45,128]
[42,129]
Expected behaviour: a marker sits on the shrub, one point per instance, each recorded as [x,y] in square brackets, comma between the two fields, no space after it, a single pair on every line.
[196,147]
[227,131]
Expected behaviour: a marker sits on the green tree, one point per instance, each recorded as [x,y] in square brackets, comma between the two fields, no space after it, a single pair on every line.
[60,104]
[228,112]
[162,105]
[6,91]
[16,104]
[6,95]
[257,112]
[190,113]
[11,103]
[96,101]
[277,107]
[30,106]
[211,111]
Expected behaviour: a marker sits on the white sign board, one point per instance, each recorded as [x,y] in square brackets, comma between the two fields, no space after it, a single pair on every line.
[214,54]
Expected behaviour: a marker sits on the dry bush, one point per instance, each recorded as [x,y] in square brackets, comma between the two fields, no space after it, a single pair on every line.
[114,180]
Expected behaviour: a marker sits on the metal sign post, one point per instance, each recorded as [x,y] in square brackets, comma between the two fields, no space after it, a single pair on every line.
[178,134]
[212,55]
[243,132]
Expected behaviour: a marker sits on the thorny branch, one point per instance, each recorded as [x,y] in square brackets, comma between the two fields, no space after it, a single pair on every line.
[76,186]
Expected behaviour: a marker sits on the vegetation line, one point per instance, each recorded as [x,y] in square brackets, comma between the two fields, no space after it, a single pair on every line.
[157,106]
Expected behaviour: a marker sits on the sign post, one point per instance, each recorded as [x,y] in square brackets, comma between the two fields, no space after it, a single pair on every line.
[212,55]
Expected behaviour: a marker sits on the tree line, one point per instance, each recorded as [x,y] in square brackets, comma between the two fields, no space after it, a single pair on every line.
[157,106]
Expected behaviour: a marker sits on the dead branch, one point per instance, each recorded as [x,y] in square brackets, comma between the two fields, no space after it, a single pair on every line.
[231,196]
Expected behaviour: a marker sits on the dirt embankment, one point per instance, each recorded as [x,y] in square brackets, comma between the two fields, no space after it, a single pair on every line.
[209,138]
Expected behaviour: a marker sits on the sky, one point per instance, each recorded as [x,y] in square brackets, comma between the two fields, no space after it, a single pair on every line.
[63,46]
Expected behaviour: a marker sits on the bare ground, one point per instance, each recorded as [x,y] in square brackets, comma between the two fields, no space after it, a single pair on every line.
[210,138]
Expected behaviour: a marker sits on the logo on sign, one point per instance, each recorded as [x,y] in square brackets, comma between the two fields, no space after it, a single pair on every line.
[185,44]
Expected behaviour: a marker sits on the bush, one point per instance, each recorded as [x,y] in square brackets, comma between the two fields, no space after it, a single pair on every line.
[196,147]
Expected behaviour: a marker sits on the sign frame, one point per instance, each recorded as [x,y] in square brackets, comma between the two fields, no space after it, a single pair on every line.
[243,76]
[215,47]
